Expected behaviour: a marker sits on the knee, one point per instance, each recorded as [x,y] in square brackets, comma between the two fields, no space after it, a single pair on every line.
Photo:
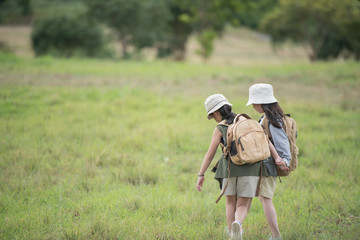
[230,201]
[243,201]
[265,200]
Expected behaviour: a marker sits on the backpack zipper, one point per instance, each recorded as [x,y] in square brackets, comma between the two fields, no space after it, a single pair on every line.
[239,142]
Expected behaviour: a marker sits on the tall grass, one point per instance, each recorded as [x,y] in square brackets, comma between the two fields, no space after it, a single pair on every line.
[110,150]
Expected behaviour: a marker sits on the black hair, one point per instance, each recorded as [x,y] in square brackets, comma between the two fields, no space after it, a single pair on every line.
[274,113]
[227,114]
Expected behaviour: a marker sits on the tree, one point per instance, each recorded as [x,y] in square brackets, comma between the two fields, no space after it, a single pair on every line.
[326,28]
[207,19]
[136,22]
[67,36]
[178,31]
[26,9]
[206,39]
[251,12]
[165,24]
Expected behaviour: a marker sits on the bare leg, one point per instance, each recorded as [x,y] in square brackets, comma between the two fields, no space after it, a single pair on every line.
[270,214]
[242,208]
[249,204]
[230,210]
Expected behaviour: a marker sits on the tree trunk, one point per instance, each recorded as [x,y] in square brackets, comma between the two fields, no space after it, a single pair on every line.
[124,47]
[181,31]
[179,53]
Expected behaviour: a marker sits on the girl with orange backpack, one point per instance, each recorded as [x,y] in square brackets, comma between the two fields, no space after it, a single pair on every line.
[242,183]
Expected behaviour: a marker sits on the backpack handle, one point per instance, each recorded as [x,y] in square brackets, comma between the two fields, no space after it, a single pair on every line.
[236,119]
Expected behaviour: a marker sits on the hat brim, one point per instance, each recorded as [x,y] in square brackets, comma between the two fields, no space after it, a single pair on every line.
[249,103]
[217,107]
[261,101]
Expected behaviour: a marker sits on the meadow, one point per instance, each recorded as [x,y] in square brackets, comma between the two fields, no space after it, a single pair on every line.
[110,149]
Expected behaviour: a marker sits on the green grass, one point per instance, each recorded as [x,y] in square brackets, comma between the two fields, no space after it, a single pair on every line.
[95,149]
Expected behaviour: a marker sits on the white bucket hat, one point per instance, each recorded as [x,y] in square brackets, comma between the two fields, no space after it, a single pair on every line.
[261,93]
[214,103]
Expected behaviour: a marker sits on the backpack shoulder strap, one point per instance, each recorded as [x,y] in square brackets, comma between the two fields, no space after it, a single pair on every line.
[289,124]
[245,115]
[223,123]
[223,127]
[241,117]
[287,120]
[265,124]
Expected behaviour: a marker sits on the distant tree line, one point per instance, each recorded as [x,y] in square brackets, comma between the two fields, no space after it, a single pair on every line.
[165,24]
[326,28]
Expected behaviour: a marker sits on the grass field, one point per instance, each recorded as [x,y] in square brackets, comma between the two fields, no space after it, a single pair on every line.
[108,149]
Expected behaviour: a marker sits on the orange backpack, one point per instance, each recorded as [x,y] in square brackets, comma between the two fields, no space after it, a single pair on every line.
[246,141]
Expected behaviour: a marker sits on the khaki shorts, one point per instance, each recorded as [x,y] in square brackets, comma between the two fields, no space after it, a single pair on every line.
[267,186]
[241,186]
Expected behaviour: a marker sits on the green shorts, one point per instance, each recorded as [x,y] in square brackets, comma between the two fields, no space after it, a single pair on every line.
[241,186]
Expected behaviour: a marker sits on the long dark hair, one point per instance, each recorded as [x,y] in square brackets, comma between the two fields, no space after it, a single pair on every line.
[274,113]
[227,114]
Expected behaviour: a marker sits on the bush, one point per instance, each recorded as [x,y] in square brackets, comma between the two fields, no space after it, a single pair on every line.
[68,36]
[206,39]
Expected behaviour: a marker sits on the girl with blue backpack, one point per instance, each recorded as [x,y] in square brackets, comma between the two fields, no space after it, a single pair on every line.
[261,97]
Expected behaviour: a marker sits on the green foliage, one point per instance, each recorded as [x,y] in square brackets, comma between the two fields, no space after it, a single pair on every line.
[178,31]
[209,15]
[68,36]
[46,8]
[208,19]
[329,28]
[206,39]
[166,24]
[15,11]
[251,12]
[137,23]
[26,9]
[152,28]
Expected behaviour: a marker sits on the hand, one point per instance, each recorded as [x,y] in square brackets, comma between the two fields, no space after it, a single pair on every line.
[281,164]
[200,183]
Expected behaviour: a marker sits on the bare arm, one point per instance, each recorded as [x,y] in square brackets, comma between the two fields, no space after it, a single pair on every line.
[281,144]
[278,160]
[215,141]
[274,153]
